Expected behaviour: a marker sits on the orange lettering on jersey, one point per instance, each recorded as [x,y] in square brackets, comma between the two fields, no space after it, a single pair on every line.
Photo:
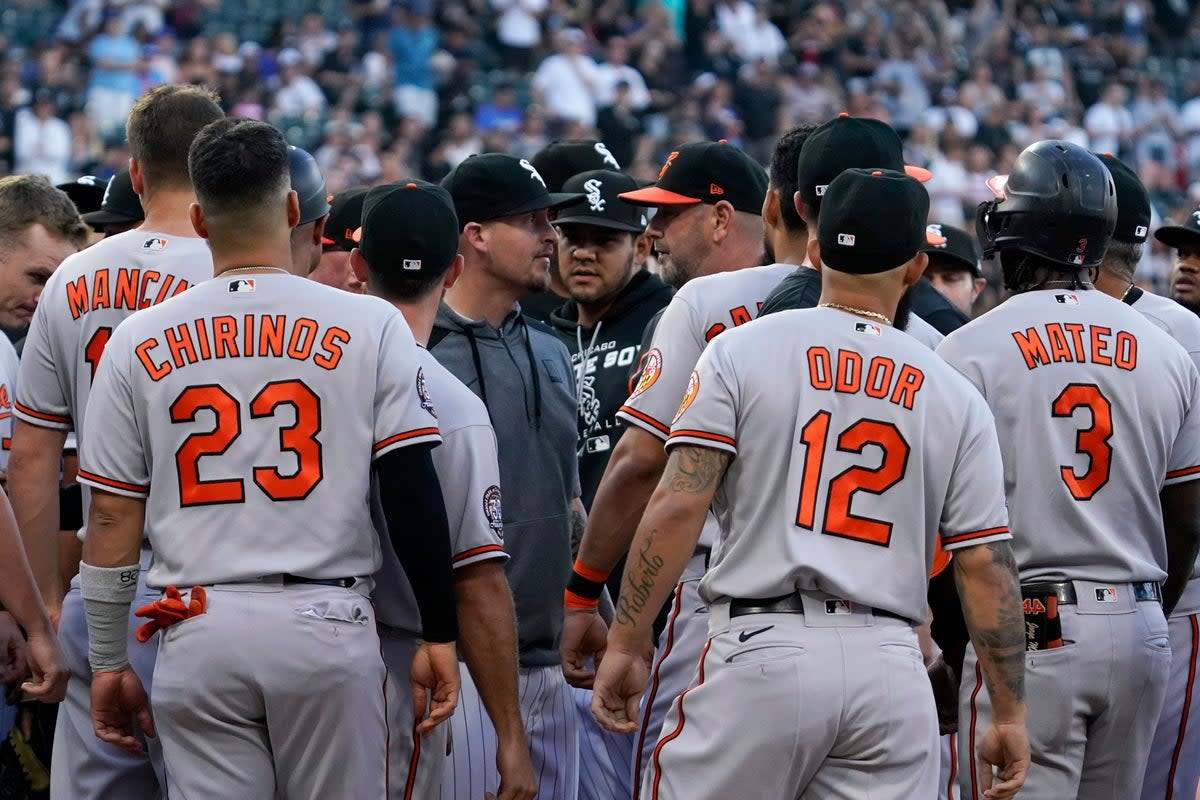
[1076,331]
[1032,349]
[180,345]
[908,383]
[1100,342]
[820,372]
[165,290]
[225,337]
[1126,357]
[304,336]
[849,372]
[248,335]
[713,331]
[180,285]
[202,339]
[77,297]
[740,315]
[1059,351]
[332,343]
[156,371]
[879,377]
[100,297]
[125,294]
[270,336]
[148,277]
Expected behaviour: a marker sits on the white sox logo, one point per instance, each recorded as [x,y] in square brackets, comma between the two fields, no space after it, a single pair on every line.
[592,188]
[491,510]
[934,236]
[533,173]
[423,394]
[589,404]
[107,191]
[609,158]
[1196,216]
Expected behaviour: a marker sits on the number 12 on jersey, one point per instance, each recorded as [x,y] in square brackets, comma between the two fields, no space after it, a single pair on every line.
[856,438]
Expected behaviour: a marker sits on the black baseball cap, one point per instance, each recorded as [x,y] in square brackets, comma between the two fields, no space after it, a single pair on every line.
[601,205]
[872,220]
[706,172]
[87,193]
[953,245]
[408,227]
[560,160]
[1133,201]
[120,205]
[496,185]
[843,143]
[308,183]
[345,217]
[1185,235]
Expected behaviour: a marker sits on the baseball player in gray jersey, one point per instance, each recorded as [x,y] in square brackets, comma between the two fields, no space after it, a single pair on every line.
[1173,769]
[710,198]
[1097,411]
[240,478]
[83,302]
[407,254]
[811,683]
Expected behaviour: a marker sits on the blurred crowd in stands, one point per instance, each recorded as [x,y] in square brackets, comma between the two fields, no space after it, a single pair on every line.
[383,89]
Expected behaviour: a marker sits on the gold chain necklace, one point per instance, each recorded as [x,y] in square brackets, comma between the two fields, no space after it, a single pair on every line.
[265,267]
[862,312]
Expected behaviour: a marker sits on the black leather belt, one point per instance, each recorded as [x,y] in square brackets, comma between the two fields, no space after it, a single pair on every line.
[344,583]
[1065,591]
[788,604]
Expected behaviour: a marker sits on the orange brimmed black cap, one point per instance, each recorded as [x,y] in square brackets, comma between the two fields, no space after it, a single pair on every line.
[705,172]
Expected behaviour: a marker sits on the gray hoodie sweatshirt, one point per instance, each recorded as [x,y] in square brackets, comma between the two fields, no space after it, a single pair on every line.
[522,372]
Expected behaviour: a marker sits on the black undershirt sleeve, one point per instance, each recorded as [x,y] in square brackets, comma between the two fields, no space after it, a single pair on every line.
[416,518]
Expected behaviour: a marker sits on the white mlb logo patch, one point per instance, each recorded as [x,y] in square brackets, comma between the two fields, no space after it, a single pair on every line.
[1140,230]
[846,239]
[1075,258]
[242,285]
[1066,299]
[838,607]
[1108,594]
[821,189]
[412,263]
[867,328]
[154,243]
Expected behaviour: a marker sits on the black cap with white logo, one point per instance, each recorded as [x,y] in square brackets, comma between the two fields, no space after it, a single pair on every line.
[871,221]
[560,160]
[409,228]
[496,185]
[120,205]
[953,247]
[601,205]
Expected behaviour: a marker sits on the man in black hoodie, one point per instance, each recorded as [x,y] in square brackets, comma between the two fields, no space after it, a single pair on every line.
[600,256]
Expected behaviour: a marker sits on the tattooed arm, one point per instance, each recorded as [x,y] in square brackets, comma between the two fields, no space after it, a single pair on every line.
[986,576]
[578,524]
[665,540]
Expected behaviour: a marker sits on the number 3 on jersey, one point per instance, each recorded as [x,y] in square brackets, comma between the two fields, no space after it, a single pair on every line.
[299,438]
[839,521]
[1091,441]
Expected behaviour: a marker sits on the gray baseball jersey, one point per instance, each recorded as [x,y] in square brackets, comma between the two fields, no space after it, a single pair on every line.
[923,332]
[703,308]
[869,416]
[470,477]
[1097,409]
[248,412]
[9,364]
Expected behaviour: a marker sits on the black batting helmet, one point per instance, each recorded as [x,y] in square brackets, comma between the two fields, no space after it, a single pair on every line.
[308,183]
[1058,202]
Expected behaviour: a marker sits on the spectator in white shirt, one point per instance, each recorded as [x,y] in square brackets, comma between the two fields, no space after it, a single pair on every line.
[735,20]
[1156,117]
[762,41]
[298,94]
[616,70]
[519,30]
[42,141]
[565,83]
[1108,123]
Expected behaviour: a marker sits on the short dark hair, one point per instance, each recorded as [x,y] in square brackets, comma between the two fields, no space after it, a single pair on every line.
[394,286]
[27,200]
[236,164]
[162,125]
[782,174]
[1122,257]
